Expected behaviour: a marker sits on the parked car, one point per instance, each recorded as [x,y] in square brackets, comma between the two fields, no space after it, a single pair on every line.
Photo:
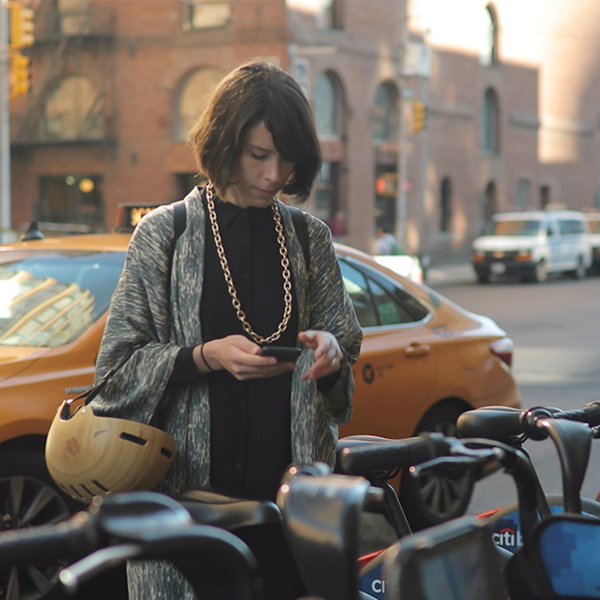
[424,360]
[593,219]
[533,244]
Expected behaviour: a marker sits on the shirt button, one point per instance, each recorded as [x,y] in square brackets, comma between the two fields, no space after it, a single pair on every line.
[238,467]
[245,240]
[245,276]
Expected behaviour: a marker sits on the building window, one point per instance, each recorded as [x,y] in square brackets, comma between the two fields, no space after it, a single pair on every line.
[193,98]
[74,110]
[445,204]
[74,199]
[330,14]
[523,192]
[489,37]
[186,182]
[74,16]
[328,106]
[208,14]
[327,191]
[385,122]
[490,122]
[544,195]
[489,202]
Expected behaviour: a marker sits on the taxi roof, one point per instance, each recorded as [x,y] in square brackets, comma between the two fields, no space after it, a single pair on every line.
[106,242]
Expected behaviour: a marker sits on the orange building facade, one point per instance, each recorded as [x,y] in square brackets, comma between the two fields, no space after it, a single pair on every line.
[508,93]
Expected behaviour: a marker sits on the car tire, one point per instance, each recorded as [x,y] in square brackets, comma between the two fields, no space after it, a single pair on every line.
[580,271]
[29,498]
[540,273]
[436,498]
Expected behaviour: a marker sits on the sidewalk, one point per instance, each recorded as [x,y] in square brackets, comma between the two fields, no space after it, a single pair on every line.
[450,274]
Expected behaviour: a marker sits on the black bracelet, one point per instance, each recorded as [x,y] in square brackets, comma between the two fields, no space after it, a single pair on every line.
[204,359]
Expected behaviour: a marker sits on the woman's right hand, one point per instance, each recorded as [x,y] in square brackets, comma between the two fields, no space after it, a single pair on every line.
[238,355]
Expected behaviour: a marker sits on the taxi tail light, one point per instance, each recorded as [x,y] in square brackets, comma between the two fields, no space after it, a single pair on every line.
[503,349]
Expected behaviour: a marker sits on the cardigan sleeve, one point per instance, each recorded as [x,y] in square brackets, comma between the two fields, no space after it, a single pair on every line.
[331,309]
[139,315]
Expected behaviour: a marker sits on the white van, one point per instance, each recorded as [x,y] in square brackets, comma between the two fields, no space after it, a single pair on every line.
[532,244]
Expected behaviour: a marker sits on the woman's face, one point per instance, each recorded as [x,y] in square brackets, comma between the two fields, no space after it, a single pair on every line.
[260,172]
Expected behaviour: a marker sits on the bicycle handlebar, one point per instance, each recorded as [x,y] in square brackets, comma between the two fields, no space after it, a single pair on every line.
[362,455]
[71,539]
[502,424]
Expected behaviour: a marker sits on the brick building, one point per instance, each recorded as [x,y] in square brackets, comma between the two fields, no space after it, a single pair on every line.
[509,91]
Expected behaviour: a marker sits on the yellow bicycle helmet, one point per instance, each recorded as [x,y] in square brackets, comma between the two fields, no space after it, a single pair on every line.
[89,455]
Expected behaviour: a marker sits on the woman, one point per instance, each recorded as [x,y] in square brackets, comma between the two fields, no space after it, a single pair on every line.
[237,280]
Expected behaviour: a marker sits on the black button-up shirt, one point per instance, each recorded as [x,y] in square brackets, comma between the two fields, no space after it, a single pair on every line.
[249,420]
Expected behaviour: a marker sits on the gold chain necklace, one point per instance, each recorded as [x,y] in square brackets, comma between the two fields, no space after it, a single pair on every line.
[285,263]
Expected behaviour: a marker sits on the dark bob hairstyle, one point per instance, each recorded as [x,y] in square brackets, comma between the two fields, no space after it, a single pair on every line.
[257,92]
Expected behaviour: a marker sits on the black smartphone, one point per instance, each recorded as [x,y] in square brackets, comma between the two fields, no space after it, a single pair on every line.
[281,353]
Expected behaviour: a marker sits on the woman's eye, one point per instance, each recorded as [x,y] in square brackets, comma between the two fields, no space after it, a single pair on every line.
[258,156]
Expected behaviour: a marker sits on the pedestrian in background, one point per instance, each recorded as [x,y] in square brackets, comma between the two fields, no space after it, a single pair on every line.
[385,243]
[237,281]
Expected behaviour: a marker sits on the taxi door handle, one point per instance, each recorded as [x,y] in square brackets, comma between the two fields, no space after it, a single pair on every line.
[416,350]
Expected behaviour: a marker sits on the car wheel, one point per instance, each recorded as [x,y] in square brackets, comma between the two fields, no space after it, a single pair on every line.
[28,498]
[540,273]
[580,271]
[434,498]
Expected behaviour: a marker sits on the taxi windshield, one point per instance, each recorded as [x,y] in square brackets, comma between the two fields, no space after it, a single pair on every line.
[521,227]
[49,298]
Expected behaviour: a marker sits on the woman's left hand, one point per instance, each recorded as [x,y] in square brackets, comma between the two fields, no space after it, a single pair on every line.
[327,353]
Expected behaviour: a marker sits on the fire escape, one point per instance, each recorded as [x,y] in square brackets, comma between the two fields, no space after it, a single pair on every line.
[72,38]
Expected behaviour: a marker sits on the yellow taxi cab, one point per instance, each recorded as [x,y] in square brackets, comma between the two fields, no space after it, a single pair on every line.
[424,360]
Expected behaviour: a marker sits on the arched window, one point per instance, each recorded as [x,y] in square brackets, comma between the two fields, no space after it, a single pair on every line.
[385,122]
[328,106]
[490,122]
[445,204]
[193,98]
[489,202]
[489,37]
[74,110]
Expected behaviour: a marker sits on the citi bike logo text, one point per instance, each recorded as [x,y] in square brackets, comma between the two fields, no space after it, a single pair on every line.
[507,537]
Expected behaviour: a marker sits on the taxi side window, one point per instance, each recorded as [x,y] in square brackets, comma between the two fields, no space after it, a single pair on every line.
[358,290]
[390,312]
[378,302]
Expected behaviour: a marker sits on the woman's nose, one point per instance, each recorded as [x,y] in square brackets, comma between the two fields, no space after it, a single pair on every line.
[273,169]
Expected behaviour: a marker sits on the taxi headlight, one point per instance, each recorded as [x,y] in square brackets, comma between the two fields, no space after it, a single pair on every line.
[524,256]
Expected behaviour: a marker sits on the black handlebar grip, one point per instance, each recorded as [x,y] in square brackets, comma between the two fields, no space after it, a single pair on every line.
[70,540]
[592,412]
[490,423]
[362,459]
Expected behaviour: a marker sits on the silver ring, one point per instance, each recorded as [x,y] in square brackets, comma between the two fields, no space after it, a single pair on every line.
[334,361]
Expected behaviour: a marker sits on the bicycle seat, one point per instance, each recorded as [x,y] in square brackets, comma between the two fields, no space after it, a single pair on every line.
[211,508]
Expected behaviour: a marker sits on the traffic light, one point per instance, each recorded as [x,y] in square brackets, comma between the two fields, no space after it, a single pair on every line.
[20,75]
[21,26]
[419,115]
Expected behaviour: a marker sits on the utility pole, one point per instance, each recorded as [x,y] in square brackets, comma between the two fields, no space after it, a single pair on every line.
[403,138]
[6,233]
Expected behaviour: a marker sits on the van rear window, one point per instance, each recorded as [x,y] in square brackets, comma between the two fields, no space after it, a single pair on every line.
[524,227]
